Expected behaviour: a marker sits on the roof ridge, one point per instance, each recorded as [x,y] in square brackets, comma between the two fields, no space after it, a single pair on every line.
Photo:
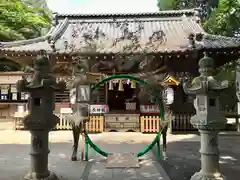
[54,33]
[222,37]
[26,41]
[189,12]
[58,32]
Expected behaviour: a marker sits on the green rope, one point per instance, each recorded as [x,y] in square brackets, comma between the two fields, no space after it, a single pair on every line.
[95,147]
[158,99]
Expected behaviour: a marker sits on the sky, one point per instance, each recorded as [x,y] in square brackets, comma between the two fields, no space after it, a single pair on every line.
[102,6]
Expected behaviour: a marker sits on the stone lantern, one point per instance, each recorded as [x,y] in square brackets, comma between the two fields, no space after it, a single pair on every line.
[40,119]
[80,100]
[238,95]
[208,118]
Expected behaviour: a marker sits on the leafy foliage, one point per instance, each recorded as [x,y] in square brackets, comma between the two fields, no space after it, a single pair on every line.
[20,21]
[224,20]
[175,4]
[38,4]
[228,99]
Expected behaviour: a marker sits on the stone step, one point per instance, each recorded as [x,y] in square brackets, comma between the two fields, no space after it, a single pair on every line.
[122,160]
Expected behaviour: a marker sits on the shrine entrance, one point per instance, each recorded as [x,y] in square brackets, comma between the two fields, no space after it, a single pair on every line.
[156,141]
[118,98]
[123,115]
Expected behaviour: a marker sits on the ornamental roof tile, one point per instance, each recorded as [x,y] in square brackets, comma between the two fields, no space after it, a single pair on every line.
[168,31]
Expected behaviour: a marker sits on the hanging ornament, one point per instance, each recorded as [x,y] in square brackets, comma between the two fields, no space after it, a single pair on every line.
[110,85]
[120,85]
[133,84]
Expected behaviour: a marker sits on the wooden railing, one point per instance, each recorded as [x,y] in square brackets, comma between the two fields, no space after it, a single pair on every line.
[181,123]
[95,124]
[149,124]
[64,123]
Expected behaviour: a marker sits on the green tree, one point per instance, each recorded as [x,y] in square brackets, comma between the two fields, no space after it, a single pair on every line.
[228,99]
[182,4]
[38,4]
[175,4]
[225,19]
[20,21]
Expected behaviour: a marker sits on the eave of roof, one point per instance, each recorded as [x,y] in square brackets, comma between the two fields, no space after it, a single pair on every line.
[169,13]
[40,43]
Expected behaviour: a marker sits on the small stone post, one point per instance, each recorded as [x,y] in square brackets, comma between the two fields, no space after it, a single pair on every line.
[40,119]
[208,118]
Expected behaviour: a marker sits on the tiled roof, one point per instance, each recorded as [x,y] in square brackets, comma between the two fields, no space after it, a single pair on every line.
[171,29]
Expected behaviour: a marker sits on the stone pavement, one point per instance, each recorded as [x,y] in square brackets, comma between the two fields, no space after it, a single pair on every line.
[183,155]
[15,159]
[149,168]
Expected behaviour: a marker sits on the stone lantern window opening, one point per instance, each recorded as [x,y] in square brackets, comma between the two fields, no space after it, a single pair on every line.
[37,101]
[83,93]
[212,102]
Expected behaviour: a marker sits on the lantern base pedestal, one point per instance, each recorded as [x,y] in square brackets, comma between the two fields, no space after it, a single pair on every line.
[32,176]
[203,176]
[209,157]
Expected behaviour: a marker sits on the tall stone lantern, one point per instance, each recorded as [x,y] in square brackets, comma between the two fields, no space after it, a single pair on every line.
[208,118]
[80,95]
[40,119]
[238,95]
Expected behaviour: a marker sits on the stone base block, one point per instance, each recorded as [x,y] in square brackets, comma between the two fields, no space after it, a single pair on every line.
[122,160]
[32,176]
[203,176]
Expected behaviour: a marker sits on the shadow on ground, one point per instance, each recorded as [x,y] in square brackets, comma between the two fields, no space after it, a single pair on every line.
[15,161]
[184,158]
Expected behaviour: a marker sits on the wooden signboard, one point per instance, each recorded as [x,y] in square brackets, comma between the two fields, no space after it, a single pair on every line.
[99,109]
[149,109]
